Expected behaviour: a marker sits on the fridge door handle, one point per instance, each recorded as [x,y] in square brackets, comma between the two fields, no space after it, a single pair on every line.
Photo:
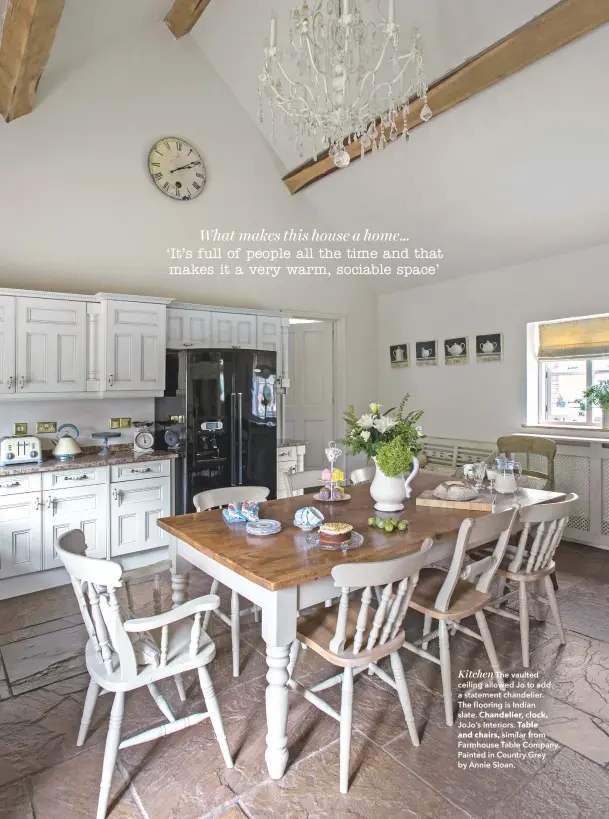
[233,422]
[240,434]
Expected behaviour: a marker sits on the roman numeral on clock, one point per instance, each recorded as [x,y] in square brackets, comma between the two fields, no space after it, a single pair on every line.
[158,175]
[196,186]
[178,145]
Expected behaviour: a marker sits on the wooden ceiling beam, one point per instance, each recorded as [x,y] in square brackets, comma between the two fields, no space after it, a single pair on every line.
[561,24]
[25,45]
[183,15]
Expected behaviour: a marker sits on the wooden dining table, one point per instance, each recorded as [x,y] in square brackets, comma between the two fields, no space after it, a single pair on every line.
[284,574]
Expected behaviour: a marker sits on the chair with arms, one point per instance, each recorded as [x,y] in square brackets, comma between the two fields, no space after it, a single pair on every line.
[124,654]
[460,593]
[309,479]
[527,448]
[533,562]
[354,637]
[217,498]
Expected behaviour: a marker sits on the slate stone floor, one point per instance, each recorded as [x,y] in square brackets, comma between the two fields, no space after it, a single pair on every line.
[43,775]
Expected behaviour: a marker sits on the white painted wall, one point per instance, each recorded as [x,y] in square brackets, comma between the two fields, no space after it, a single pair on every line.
[89,416]
[483,401]
[84,215]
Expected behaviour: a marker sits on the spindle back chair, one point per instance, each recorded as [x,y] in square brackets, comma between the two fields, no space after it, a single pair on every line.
[217,499]
[355,636]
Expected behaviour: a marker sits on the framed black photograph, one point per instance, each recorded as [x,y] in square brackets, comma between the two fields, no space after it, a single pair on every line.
[399,355]
[489,347]
[426,352]
[455,350]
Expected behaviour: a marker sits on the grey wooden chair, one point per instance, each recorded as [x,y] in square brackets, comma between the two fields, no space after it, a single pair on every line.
[532,561]
[354,637]
[460,593]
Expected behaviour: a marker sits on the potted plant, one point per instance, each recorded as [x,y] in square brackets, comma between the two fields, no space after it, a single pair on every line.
[560,402]
[392,440]
[596,396]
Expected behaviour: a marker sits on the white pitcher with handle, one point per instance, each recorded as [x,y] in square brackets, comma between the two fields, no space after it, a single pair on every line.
[388,493]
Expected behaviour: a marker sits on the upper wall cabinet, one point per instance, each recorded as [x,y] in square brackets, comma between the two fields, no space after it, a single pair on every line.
[7,345]
[234,330]
[188,328]
[51,346]
[134,346]
[269,333]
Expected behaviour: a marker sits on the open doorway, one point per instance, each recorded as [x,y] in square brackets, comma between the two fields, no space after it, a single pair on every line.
[311,400]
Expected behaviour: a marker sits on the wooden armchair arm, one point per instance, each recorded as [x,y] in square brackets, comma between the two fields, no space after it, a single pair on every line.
[192,607]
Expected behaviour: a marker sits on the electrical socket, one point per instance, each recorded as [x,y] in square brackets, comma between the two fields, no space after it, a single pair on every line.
[115,423]
[125,423]
[19,429]
[43,427]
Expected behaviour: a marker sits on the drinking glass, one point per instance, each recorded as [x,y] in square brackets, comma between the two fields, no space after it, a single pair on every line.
[478,473]
[491,474]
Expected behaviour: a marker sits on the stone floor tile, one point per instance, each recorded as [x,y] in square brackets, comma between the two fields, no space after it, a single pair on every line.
[70,790]
[578,562]
[578,672]
[5,691]
[38,607]
[435,761]
[584,609]
[15,802]
[379,787]
[39,629]
[568,787]
[587,735]
[233,813]
[38,661]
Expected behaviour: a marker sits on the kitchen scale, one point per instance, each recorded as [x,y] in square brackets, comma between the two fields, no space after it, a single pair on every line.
[143,437]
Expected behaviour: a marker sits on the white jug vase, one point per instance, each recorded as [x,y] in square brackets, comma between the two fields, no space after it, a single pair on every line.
[388,493]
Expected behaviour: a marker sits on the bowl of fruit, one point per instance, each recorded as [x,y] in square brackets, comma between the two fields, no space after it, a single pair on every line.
[388,525]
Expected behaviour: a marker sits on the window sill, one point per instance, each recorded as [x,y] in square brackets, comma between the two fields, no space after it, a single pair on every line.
[568,431]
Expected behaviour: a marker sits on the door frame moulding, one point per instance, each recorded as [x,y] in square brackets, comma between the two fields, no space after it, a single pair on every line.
[339,361]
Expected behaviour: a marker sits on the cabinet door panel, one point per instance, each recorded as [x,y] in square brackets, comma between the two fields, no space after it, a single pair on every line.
[7,344]
[84,508]
[51,345]
[135,508]
[188,328]
[135,346]
[269,332]
[234,330]
[20,534]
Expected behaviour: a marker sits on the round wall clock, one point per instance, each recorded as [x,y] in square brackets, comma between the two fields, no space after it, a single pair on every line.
[176,168]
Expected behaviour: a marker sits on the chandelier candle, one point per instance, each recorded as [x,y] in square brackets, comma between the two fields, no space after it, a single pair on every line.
[343,79]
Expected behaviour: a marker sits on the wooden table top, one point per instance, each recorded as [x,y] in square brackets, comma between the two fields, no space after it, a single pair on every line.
[286,560]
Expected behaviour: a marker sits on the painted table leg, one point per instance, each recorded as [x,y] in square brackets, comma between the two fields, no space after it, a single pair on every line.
[277,658]
[179,575]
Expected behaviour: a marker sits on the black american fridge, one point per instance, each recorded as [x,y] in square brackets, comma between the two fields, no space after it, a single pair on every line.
[219,415]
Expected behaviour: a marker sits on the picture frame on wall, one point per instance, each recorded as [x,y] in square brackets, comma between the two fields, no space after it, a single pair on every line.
[456,350]
[426,353]
[489,347]
[399,355]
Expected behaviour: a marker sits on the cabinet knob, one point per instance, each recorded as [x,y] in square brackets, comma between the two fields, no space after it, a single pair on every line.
[9,383]
[115,493]
[22,382]
[111,380]
[148,469]
[38,504]
[49,502]
[10,485]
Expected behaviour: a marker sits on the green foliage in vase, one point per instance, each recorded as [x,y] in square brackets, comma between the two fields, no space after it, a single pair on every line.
[392,437]
[596,396]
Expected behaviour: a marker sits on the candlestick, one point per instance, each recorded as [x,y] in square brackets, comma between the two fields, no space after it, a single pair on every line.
[346,8]
[273,40]
[391,17]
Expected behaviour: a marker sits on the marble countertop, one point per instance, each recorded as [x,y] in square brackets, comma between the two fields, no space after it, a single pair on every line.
[290,442]
[85,460]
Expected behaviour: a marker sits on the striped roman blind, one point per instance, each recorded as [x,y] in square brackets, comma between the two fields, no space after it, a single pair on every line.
[577,338]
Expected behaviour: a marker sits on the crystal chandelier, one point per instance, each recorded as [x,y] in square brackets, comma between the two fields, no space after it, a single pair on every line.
[351,81]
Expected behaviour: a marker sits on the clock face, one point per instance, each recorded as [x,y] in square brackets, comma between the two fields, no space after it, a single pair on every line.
[176,168]
[144,440]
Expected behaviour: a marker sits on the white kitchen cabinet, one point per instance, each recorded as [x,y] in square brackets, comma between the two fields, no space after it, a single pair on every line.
[188,328]
[79,507]
[234,330]
[269,332]
[135,507]
[134,346]
[7,344]
[51,346]
[20,534]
